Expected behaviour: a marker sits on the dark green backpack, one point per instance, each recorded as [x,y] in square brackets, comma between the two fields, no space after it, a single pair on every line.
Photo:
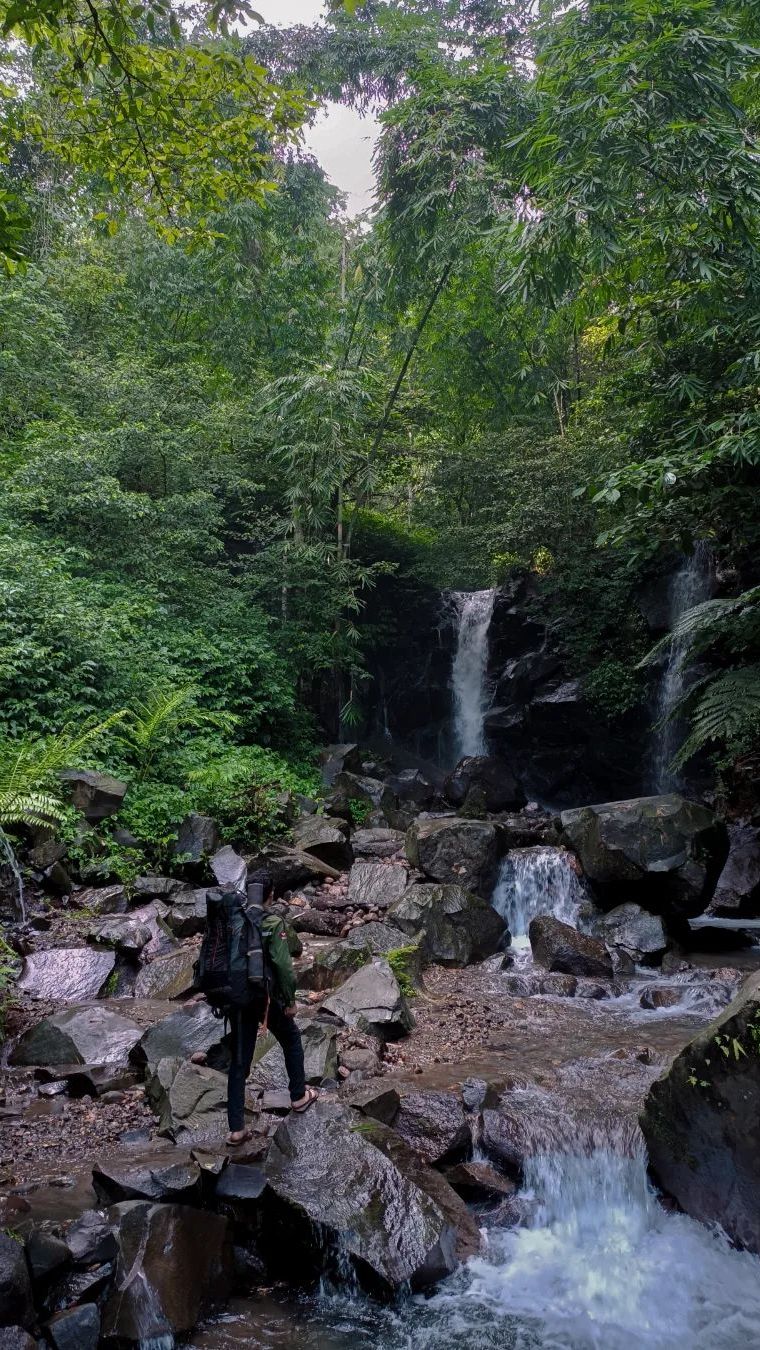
[233,968]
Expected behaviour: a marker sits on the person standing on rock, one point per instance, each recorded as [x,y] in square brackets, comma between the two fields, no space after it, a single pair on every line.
[268,1001]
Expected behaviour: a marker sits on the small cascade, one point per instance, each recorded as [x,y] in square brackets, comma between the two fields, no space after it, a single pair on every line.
[6,853]
[469,672]
[690,585]
[536,881]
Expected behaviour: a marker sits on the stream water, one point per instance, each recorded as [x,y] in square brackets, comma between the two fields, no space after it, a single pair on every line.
[469,682]
[597,1263]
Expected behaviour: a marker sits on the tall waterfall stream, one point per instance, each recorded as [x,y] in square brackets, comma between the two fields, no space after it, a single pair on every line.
[595,1263]
[689,586]
[469,673]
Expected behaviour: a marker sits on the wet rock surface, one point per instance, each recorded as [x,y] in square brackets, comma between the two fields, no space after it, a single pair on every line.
[372,1000]
[559,947]
[702,1122]
[376,885]
[452,925]
[455,852]
[634,934]
[78,1036]
[66,975]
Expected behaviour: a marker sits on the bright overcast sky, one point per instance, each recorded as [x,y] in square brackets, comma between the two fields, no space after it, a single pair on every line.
[340,139]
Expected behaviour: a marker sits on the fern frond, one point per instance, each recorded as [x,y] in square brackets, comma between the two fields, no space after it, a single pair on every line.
[726,714]
[28,769]
[705,623]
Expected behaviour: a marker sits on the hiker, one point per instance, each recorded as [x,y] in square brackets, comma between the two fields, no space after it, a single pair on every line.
[265,997]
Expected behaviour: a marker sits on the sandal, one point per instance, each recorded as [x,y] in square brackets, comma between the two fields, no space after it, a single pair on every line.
[311,1096]
[245,1138]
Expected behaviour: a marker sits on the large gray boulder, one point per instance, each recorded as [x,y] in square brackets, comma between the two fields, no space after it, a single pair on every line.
[559,947]
[376,885]
[189,1099]
[372,1001]
[197,838]
[16,1308]
[434,1124]
[155,1178]
[377,842]
[701,1122]
[98,900]
[75,1328]
[168,976]
[664,853]
[66,974]
[186,916]
[78,1036]
[453,926]
[96,795]
[457,852]
[337,759]
[191,1028]
[488,777]
[173,1263]
[737,895]
[320,1053]
[324,1173]
[634,934]
[337,962]
[373,792]
[229,868]
[123,932]
[325,839]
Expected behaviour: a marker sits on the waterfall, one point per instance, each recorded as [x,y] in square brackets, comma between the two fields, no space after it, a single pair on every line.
[690,585]
[536,881]
[468,676]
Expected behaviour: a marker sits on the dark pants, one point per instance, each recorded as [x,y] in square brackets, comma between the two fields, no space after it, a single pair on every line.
[244,1026]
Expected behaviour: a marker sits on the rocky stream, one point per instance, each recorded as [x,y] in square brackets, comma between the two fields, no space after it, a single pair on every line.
[536,1034]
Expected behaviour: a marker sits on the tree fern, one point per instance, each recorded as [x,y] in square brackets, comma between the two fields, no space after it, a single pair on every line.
[726,713]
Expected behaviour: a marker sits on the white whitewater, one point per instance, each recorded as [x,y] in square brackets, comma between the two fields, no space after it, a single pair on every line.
[535,881]
[690,585]
[469,672]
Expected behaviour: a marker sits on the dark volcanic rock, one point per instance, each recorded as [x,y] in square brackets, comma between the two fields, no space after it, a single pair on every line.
[325,839]
[489,776]
[155,1179]
[173,1263]
[96,795]
[322,1171]
[15,1338]
[192,1027]
[664,853]
[376,885]
[197,837]
[66,974]
[371,1000]
[79,1036]
[478,1181]
[189,1099]
[737,895]
[46,1254]
[701,1122]
[558,947]
[454,926]
[377,842]
[16,1307]
[168,976]
[337,759]
[75,1329]
[454,851]
[322,922]
[638,936]
[320,1058]
[102,900]
[90,1240]
[187,912]
[339,961]
[123,932]
[434,1124]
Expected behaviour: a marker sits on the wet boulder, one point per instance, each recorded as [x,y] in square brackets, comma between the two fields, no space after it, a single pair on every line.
[634,934]
[664,853]
[376,885]
[701,1122]
[157,1178]
[479,1182]
[123,932]
[16,1307]
[558,947]
[371,792]
[737,895]
[434,1124]
[190,1029]
[47,1255]
[320,922]
[325,839]
[173,1264]
[168,976]
[324,1174]
[453,926]
[229,869]
[155,888]
[78,1036]
[489,777]
[371,1000]
[66,974]
[341,959]
[197,838]
[411,788]
[90,1239]
[16,1338]
[337,759]
[189,1099]
[320,1053]
[377,842]
[96,795]
[186,915]
[102,900]
[75,1328]
[455,851]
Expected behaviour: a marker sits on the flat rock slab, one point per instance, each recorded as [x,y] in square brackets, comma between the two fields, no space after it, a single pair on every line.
[78,1036]
[168,976]
[66,974]
[371,1000]
[377,843]
[376,885]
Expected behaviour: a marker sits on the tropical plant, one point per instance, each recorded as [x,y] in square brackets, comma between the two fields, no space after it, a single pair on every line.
[154,722]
